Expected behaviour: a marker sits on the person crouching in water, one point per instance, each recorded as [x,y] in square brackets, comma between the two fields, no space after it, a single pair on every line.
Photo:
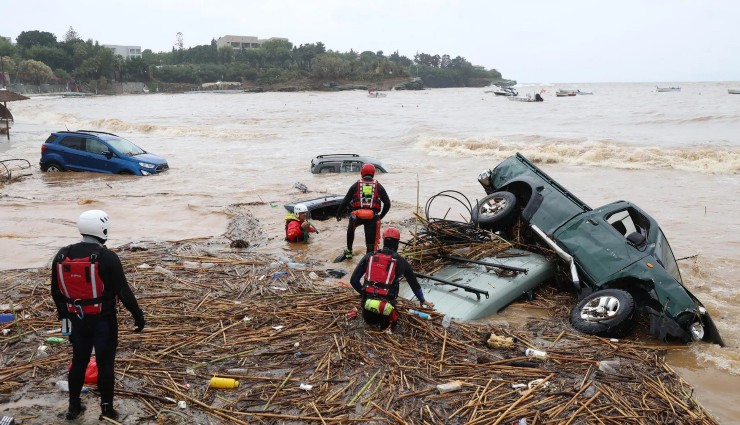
[87,280]
[297,227]
[382,271]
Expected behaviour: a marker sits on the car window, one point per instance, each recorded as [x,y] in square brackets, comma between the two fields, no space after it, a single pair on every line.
[629,221]
[95,146]
[73,142]
[664,255]
[351,166]
[125,147]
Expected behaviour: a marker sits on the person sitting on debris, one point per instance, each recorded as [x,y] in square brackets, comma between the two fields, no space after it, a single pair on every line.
[370,203]
[87,280]
[382,271]
[297,226]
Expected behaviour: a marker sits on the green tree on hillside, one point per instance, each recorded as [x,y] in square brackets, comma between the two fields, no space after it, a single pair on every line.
[35,72]
[28,39]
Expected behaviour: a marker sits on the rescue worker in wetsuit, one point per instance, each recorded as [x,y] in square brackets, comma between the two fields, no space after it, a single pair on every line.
[87,280]
[376,279]
[297,227]
[369,203]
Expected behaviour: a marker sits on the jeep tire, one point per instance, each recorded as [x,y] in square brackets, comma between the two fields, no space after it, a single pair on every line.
[606,313]
[495,211]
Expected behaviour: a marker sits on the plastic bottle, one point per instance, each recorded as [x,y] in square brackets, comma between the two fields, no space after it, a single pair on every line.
[224,383]
[7,317]
[420,314]
[297,266]
[534,353]
[63,385]
[54,340]
[446,321]
[609,366]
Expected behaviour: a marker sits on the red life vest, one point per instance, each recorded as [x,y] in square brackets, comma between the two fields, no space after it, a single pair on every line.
[366,196]
[380,276]
[80,283]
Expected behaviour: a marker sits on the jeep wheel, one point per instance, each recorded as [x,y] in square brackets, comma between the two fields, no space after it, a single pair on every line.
[495,211]
[608,313]
[52,167]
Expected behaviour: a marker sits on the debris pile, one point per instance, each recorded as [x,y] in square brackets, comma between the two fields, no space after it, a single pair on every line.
[293,341]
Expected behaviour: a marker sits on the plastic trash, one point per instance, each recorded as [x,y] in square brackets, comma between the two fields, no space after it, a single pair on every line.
[7,317]
[446,321]
[535,353]
[609,366]
[420,314]
[53,340]
[306,387]
[62,385]
[449,387]
[181,404]
[223,383]
[313,276]
[297,266]
[162,270]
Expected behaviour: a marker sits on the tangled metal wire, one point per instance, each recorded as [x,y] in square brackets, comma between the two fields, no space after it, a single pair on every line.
[446,231]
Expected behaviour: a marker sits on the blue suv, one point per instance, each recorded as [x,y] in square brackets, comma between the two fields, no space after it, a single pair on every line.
[87,150]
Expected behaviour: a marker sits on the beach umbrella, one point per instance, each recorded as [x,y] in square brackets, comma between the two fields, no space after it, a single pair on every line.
[5,97]
[9,96]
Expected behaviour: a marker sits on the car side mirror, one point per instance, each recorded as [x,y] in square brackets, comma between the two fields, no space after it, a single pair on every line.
[108,154]
[636,239]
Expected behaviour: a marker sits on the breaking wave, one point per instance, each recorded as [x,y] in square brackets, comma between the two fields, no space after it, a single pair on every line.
[714,159]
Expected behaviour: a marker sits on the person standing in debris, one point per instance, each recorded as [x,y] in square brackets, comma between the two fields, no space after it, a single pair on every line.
[381,271]
[369,203]
[87,279]
[297,226]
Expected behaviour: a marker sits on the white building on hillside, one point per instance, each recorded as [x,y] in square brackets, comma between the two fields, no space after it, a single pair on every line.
[125,51]
[243,41]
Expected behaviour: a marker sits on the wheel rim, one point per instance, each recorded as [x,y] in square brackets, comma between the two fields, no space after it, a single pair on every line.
[53,169]
[600,308]
[493,206]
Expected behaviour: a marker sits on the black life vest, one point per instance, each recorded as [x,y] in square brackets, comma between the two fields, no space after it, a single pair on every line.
[380,275]
[80,283]
[366,196]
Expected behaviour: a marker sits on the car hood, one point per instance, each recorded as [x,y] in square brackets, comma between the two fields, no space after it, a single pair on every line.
[150,158]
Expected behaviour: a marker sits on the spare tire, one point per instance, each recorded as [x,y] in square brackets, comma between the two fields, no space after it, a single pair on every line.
[495,211]
[607,313]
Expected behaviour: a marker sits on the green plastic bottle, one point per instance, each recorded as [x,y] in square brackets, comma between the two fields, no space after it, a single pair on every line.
[54,340]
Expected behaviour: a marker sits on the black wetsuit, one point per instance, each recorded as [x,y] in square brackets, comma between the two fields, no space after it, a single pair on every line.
[96,330]
[369,224]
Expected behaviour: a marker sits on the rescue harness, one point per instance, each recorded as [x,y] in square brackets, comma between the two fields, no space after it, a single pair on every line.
[80,283]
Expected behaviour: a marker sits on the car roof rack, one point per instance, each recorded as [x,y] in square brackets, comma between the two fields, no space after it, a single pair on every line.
[338,154]
[86,131]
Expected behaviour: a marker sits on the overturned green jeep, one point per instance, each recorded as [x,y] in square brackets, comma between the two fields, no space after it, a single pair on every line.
[621,264]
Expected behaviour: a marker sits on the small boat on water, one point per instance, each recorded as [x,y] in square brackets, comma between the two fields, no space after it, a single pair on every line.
[667,89]
[581,93]
[733,91]
[375,93]
[528,98]
[565,93]
[505,91]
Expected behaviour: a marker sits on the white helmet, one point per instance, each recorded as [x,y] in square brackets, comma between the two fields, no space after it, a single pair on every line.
[94,223]
[300,208]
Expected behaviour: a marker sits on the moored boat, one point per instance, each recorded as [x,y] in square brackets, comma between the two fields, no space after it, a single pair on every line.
[733,91]
[667,89]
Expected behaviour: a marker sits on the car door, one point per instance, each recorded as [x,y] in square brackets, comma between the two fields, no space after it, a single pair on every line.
[73,152]
[95,160]
[599,247]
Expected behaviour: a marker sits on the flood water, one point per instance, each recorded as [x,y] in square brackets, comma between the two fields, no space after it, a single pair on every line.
[676,155]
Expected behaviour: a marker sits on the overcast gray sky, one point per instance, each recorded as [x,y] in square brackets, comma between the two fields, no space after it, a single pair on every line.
[531,41]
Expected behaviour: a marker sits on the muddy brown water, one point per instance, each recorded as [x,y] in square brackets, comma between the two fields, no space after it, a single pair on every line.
[677,155]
